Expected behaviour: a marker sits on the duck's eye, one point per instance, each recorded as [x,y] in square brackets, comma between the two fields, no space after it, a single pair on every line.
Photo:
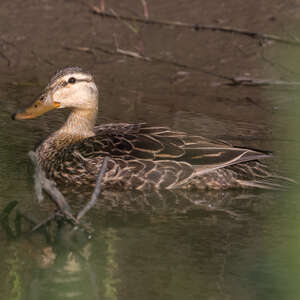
[72,80]
[42,98]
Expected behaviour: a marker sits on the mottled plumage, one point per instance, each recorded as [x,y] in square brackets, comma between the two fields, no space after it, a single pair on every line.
[144,157]
[140,156]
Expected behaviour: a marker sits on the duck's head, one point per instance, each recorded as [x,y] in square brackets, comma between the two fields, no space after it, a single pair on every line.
[69,88]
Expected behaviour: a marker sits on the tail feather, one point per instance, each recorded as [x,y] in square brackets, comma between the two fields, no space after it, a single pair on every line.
[275,183]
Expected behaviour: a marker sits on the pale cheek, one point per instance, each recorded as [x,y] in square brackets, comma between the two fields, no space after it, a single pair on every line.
[58,95]
[79,95]
[61,96]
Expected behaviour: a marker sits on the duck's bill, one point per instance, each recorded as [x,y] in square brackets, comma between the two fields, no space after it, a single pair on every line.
[36,109]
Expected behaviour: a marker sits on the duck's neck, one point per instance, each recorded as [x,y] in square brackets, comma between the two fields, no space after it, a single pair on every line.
[79,125]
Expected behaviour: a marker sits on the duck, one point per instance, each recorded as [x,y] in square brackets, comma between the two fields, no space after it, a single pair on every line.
[139,156]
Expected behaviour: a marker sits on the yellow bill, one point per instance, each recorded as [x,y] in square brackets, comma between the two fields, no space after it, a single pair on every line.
[36,109]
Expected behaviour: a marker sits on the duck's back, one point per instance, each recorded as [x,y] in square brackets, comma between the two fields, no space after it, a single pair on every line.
[142,157]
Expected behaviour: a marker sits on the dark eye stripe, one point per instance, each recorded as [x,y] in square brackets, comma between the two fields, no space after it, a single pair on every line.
[60,84]
[77,80]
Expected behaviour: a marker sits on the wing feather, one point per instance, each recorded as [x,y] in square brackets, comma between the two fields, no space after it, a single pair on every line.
[154,151]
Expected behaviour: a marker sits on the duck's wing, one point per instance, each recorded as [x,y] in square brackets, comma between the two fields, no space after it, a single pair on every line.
[141,141]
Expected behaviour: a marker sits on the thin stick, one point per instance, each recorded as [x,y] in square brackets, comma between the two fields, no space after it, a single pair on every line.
[133,54]
[96,192]
[234,81]
[131,27]
[28,219]
[247,81]
[5,58]
[82,49]
[146,10]
[50,187]
[102,5]
[38,186]
[56,196]
[43,223]
[197,27]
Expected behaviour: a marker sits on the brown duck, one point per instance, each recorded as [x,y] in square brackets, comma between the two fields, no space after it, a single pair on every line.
[140,156]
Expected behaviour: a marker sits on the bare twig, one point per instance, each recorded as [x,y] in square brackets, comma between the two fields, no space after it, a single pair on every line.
[247,81]
[146,10]
[30,220]
[38,185]
[81,49]
[197,27]
[5,58]
[136,55]
[96,192]
[234,81]
[102,5]
[131,27]
[50,187]
[133,54]
[43,223]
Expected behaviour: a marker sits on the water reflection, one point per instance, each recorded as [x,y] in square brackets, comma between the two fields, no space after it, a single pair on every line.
[176,249]
[63,270]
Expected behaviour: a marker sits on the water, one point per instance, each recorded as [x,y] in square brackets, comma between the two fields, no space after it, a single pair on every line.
[166,245]
[163,255]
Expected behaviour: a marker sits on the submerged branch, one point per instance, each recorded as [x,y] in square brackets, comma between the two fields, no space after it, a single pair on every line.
[197,27]
[43,223]
[49,186]
[96,192]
